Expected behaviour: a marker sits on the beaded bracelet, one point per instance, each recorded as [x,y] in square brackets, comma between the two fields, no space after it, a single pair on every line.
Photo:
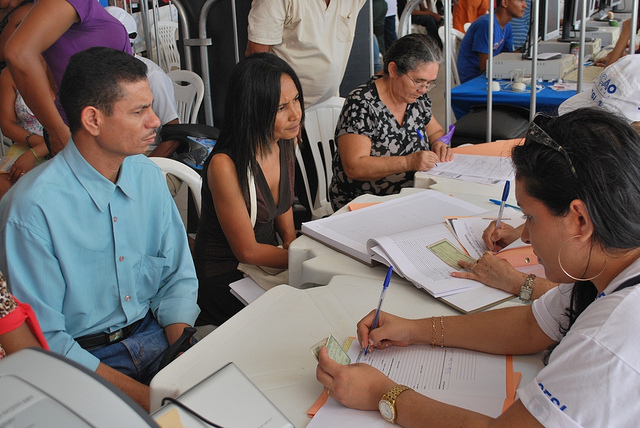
[433,332]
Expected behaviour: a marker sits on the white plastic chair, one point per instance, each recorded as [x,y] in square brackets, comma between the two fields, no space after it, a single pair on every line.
[320,125]
[466,26]
[457,37]
[185,174]
[169,56]
[189,91]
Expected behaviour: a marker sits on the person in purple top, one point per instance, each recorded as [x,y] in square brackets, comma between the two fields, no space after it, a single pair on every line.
[57,29]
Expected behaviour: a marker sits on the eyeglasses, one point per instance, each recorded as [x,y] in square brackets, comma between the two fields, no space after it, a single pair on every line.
[538,135]
[420,85]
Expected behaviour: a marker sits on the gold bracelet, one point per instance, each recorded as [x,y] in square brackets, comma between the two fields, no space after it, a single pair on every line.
[34,153]
[433,332]
[442,332]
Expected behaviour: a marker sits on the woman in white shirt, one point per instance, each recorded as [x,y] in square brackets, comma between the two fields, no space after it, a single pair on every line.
[578,184]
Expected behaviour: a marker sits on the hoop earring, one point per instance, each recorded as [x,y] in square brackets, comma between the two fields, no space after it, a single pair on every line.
[567,273]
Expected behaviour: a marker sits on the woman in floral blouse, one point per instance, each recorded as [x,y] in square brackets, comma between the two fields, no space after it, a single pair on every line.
[386,131]
[19,327]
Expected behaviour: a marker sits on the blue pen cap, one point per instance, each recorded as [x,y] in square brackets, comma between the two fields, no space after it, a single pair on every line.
[505,192]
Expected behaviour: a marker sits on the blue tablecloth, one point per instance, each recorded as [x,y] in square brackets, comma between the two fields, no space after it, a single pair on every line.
[474,92]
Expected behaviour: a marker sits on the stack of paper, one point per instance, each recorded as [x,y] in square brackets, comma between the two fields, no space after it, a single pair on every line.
[476,169]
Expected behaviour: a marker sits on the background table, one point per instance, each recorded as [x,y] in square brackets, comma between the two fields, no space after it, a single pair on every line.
[270,340]
[474,92]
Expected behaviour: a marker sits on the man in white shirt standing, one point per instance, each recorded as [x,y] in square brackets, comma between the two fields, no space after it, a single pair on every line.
[313,36]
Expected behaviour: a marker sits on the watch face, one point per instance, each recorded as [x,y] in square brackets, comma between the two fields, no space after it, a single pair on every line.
[386,410]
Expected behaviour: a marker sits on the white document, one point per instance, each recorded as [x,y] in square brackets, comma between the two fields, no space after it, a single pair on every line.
[469,230]
[411,258]
[349,232]
[477,169]
[246,290]
[467,379]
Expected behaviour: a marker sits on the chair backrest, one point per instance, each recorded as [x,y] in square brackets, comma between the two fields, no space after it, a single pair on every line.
[184,173]
[456,38]
[189,91]
[320,126]
[169,56]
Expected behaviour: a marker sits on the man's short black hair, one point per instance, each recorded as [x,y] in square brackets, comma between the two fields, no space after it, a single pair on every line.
[93,78]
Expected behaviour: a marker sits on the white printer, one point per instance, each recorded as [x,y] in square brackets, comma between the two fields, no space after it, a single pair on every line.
[507,63]
[41,389]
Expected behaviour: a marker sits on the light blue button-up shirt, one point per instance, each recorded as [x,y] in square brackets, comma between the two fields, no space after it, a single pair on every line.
[92,256]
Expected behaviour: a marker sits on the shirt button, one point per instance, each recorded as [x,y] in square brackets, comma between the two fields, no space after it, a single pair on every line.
[121,258]
[115,219]
[127,298]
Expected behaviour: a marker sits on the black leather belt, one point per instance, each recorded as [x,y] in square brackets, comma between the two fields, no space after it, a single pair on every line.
[102,339]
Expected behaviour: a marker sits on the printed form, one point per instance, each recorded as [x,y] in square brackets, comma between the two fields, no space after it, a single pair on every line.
[463,378]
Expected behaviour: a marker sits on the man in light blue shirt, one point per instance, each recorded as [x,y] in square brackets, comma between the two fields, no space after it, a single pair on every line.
[474,48]
[92,239]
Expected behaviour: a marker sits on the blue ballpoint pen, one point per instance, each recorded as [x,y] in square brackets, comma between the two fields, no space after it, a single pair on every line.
[505,195]
[385,285]
[498,202]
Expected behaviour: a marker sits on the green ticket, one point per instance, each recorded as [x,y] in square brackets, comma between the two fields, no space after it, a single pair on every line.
[336,353]
[449,253]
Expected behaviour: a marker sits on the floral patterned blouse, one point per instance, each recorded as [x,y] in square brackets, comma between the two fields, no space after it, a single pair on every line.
[26,119]
[364,113]
[7,304]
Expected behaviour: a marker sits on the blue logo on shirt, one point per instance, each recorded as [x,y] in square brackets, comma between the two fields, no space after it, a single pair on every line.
[553,399]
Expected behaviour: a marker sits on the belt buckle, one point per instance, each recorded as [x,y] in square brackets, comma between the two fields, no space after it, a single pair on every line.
[116,336]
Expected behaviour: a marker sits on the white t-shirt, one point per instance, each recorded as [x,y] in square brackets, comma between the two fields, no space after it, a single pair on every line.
[593,376]
[315,39]
[392,7]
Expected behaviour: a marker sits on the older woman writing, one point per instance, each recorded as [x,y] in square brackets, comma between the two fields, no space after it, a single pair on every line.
[576,178]
[386,131]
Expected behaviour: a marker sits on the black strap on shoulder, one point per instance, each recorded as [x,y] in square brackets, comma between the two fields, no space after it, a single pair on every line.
[628,283]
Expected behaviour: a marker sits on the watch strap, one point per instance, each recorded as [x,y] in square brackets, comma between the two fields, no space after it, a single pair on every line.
[527,289]
[392,395]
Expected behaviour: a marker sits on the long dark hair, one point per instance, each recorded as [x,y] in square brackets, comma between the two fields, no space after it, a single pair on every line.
[604,152]
[253,97]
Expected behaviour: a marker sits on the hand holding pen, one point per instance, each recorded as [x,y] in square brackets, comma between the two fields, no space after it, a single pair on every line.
[385,285]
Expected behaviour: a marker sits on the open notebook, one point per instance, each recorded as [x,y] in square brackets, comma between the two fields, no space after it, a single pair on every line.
[400,232]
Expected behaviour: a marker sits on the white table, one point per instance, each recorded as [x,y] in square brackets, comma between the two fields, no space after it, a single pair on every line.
[270,340]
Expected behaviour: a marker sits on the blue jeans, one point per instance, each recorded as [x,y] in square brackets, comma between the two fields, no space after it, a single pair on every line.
[138,356]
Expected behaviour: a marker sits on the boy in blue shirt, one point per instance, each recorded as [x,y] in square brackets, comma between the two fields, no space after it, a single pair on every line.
[474,49]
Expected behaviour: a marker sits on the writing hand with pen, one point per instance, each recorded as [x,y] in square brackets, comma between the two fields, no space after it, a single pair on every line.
[500,237]
[360,386]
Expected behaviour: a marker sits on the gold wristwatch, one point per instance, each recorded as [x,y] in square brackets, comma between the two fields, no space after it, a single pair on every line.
[527,289]
[387,404]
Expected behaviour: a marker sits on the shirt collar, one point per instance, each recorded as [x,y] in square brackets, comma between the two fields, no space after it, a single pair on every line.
[97,186]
